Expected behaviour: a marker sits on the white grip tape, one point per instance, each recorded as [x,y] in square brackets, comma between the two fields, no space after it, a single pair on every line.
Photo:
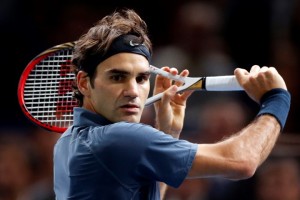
[222,83]
[168,75]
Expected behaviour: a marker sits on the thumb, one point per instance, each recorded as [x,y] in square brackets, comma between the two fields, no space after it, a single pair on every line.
[240,75]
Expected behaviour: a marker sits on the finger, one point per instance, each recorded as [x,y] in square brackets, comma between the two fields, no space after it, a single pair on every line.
[273,69]
[264,69]
[254,69]
[241,75]
[168,95]
[184,73]
[240,71]
[173,71]
[163,81]
[185,95]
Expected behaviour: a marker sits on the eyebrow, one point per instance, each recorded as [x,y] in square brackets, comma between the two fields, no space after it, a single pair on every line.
[123,72]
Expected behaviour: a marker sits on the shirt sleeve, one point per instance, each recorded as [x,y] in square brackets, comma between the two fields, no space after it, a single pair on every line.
[150,155]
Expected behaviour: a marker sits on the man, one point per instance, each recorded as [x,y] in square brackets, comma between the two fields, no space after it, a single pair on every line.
[108,154]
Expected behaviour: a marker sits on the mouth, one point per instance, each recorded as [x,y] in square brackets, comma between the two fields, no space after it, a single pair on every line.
[130,108]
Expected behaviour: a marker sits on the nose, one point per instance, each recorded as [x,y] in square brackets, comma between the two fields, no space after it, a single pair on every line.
[131,89]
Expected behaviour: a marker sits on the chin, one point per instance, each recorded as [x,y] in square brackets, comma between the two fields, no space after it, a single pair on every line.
[133,119]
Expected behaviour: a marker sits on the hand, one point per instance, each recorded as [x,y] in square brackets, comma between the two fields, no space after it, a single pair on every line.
[259,80]
[170,110]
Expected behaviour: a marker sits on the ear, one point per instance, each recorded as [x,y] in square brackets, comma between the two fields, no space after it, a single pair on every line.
[83,83]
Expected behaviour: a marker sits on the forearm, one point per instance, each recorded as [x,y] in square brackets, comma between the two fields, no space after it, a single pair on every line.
[163,190]
[256,141]
[171,120]
[166,128]
[238,156]
[262,136]
[252,145]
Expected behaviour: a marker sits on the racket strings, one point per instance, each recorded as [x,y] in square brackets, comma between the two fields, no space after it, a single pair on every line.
[48,90]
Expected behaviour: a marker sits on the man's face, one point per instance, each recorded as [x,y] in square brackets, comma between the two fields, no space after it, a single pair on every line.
[121,87]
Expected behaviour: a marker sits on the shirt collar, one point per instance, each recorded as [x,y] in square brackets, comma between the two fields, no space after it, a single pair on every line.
[84,117]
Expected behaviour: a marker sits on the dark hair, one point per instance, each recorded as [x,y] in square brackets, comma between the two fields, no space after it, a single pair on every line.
[99,38]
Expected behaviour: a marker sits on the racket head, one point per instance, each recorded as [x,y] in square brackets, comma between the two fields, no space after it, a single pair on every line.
[45,88]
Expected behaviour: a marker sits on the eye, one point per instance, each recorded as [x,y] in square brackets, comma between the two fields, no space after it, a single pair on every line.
[117,77]
[142,78]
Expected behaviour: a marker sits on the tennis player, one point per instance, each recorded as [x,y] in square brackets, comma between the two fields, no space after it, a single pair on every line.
[108,154]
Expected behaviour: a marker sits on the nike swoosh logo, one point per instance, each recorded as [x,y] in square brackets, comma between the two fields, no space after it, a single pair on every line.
[133,44]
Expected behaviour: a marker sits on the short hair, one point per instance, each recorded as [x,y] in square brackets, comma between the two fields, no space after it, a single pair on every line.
[99,38]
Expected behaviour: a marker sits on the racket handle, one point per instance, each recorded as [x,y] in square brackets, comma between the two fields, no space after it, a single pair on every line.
[212,83]
[222,83]
[153,99]
[161,72]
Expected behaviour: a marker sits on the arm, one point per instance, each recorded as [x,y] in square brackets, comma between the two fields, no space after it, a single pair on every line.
[170,110]
[239,156]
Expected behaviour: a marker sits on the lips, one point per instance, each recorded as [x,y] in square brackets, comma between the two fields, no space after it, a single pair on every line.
[130,107]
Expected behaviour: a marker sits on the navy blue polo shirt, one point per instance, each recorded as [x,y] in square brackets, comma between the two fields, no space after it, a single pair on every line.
[97,159]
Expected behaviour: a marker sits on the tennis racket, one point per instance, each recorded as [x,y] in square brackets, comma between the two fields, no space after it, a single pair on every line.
[45,87]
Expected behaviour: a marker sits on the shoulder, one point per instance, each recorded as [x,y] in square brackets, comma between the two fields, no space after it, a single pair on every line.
[131,127]
[124,134]
[132,130]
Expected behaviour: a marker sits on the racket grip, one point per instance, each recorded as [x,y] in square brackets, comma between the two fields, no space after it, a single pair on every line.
[153,99]
[161,72]
[222,83]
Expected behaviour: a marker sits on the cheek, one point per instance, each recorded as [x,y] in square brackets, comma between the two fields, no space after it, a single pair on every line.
[103,101]
[103,95]
[98,92]
[144,91]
